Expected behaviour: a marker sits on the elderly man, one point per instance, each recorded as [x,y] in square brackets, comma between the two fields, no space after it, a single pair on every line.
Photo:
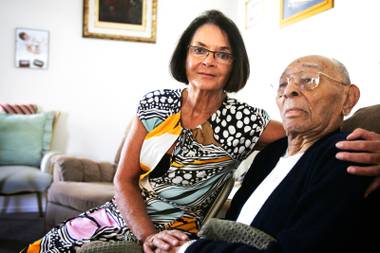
[297,191]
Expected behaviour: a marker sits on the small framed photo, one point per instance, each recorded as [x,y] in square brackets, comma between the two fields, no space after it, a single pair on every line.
[32,48]
[254,10]
[296,10]
[130,20]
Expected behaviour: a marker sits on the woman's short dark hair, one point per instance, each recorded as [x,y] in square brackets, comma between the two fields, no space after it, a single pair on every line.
[240,66]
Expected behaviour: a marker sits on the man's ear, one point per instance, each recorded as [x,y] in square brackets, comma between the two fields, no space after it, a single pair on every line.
[352,98]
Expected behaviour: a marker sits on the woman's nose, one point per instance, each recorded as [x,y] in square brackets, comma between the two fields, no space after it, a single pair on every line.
[209,59]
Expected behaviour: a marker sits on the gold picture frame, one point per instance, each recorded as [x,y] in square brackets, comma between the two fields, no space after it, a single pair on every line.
[295,10]
[130,20]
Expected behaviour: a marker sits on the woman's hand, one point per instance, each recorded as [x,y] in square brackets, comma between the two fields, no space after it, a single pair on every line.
[362,146]
[164,241]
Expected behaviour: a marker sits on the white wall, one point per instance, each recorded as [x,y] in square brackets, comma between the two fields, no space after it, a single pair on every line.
[349,32]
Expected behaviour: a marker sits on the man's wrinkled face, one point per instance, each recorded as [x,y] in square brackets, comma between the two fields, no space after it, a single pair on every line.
[306,107]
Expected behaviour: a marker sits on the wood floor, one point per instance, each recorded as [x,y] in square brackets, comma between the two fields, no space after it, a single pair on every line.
[19,229]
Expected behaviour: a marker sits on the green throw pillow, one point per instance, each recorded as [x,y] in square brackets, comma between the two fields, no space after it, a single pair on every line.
[24,139]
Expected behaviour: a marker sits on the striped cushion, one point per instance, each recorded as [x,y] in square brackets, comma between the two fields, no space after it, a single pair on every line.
[18,108]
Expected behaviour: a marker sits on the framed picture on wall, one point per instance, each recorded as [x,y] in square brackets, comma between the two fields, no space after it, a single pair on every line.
[32,48]
[296,10]
[130,20]
[254,10]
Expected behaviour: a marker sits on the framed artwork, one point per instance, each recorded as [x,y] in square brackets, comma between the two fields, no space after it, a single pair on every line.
[296,10]
[254,10]
[32,48]
[131,20]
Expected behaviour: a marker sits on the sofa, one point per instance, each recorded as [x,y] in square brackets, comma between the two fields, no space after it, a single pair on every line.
[366,117]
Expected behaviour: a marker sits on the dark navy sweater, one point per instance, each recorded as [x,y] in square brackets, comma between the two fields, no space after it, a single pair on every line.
[318,207]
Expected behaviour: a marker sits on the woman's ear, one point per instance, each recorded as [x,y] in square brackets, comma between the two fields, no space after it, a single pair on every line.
[352,98]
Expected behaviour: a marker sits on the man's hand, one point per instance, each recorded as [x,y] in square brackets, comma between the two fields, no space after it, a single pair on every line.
[164,241]
[172,250]
[366,145]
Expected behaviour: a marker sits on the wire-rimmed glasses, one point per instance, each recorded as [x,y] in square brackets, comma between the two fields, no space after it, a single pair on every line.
[306,81]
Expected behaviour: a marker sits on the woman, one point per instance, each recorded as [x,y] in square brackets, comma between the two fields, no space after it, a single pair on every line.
[182,146]
[206,133]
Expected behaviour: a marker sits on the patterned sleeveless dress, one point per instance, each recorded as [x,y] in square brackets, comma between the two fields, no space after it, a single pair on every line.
[178,188]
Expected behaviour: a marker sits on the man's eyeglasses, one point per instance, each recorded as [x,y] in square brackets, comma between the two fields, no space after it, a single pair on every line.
[219,56]
[306,81]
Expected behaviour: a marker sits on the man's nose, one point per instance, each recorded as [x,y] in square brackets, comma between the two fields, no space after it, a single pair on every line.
[292,89]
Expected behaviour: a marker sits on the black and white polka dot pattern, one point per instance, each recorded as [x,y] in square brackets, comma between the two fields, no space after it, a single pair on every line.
[159,104]
[238,126]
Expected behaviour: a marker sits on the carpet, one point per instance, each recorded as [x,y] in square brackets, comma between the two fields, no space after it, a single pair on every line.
[17,230]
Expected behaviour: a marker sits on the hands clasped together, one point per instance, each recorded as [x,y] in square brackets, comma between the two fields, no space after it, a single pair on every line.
[165,241]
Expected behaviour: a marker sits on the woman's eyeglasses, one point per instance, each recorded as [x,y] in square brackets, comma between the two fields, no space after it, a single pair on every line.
[219,56]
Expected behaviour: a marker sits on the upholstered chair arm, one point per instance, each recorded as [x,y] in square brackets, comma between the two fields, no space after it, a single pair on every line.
[47,161]
[67,168]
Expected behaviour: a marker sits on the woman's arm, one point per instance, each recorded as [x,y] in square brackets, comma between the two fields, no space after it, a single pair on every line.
[127,192]
[272,132]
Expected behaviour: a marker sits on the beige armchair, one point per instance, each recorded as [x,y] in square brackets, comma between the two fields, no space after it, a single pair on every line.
[78,185]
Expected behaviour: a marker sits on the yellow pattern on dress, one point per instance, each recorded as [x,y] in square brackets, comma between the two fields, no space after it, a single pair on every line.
[158,141]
